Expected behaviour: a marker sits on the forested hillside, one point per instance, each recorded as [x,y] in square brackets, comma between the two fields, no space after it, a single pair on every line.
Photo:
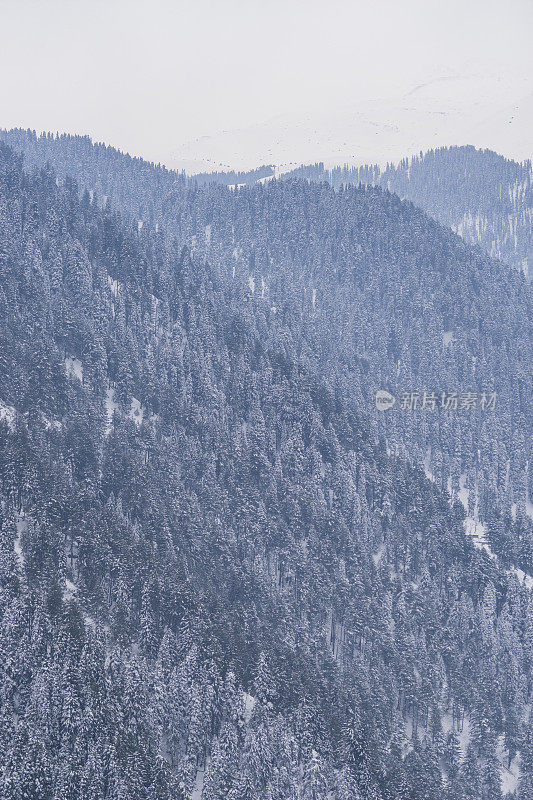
[136,187]
[396,298]
[223,572]
[108,173]
[486,198]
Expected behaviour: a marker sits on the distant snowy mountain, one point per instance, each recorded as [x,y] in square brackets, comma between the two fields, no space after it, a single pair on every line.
[450,109]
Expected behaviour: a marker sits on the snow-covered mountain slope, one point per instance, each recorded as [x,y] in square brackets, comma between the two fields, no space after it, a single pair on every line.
[450,109]
[195,476]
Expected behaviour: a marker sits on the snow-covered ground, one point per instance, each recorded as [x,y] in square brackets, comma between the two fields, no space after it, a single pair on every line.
[249,703]
[74,368]
[509,774]
[482,109]
[22,524]
[376,557]
[110,406]
[473,526]
[70,590]
[7,413]
[136,412]
[463,735]
[478,531]
[198,789]
[51,424]
[529,504]
[426,464]
[523,577]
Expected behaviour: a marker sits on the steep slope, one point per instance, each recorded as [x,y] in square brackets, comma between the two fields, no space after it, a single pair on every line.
[194,506]
[399,299]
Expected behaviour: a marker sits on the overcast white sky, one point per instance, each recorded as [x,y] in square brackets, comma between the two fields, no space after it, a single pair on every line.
[150,76]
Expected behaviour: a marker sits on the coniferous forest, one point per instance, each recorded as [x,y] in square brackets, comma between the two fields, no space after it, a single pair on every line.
[224,571]
[484,197]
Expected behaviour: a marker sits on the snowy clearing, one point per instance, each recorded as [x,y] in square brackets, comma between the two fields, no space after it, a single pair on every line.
[74,368]
[136,412]
[111,406]
[7,413]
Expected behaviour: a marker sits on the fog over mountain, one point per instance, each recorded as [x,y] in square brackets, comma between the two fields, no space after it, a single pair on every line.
[228,84]
[449,109]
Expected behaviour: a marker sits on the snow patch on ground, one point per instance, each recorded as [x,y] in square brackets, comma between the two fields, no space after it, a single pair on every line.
[7,413]
[462,735]
[463,492]
[376,557]
[473,527]
[449,485]
[509,775]
[136,412]
[51,424]
[69,591]
[249,703]
[22,524]
[74,368]
[198,789]
[426,462]
[110,406]
[529,504]
[529,508]
[478,532]
[523,577]
[113,285]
